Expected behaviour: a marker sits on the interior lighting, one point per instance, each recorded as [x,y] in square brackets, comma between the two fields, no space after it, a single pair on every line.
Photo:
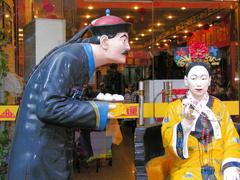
[142,35]
[7,15]
[20,30]
[186,31]
[20,35]
[183,8]
[218,17]
[131,42]
[170,17]
[136,39]
[85,24]
[200,25]
[149,47]
[35,16]
[210,25]
[88,16]
[135,7]
[90,7]
[174,36]
[157,44]
[185,37]
[164,40]
[128,17]
[150,30]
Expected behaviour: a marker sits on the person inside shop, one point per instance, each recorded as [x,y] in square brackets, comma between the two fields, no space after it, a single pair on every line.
[198,134]
[114,80]
[43,142]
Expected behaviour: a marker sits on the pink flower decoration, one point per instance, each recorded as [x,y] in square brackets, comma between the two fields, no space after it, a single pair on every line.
[181,52]
[198,51]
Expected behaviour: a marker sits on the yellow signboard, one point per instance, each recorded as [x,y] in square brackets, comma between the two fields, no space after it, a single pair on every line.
[124,111]
[8,113]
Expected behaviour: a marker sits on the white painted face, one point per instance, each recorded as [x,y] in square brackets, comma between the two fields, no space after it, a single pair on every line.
[117,47]
[198,81]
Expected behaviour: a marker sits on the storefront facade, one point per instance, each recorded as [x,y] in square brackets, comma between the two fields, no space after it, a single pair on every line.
[159,27]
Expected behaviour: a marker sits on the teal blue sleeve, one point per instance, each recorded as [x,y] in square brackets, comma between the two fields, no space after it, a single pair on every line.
[103,114]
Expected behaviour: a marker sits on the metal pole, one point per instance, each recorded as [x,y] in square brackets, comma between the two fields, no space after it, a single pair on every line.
[141,102]
[167,89]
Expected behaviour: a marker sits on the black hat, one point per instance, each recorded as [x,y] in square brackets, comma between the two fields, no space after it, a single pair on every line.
[189,66]
[108,25]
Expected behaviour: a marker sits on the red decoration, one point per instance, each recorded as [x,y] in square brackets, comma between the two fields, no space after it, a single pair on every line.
[198,51]
[142,12]
[48,7]
[181,52]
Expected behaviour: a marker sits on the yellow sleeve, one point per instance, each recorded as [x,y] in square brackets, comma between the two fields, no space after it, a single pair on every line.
[230,135]
[171,118]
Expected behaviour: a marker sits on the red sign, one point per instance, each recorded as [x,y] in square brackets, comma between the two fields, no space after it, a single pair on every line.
[132,111]
[7,114]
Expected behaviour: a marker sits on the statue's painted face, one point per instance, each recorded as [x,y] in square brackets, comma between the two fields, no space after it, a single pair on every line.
[118,48]
[198,81]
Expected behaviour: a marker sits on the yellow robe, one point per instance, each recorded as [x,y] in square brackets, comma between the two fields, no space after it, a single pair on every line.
[218,150]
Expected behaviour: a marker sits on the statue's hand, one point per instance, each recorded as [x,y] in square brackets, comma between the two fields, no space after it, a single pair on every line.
[111,106]
[188,112]
[231,173]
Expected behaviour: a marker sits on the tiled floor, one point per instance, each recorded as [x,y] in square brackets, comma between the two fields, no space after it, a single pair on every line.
[122,163]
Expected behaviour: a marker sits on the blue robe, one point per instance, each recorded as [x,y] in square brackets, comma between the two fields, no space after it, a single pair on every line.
[43,141]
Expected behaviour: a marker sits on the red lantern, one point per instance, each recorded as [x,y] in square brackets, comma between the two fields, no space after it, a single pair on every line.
[48,7]
[142,12]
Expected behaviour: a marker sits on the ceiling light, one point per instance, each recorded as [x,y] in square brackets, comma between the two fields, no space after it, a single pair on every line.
[183,8]
[185,36]
[90,7]
[20,35]
[85,24]
[186,31]
[136,39]
[157,44]
[131,42]
[142,34]
[135,7]
[210,25]
[35,16]
[150,30]
[88,16]
[170,17]
[149,47]
[128,17]
[7,15]
[200,25]
[20,30]
[218,17]
[174,36]
[158,24]
[164,40]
